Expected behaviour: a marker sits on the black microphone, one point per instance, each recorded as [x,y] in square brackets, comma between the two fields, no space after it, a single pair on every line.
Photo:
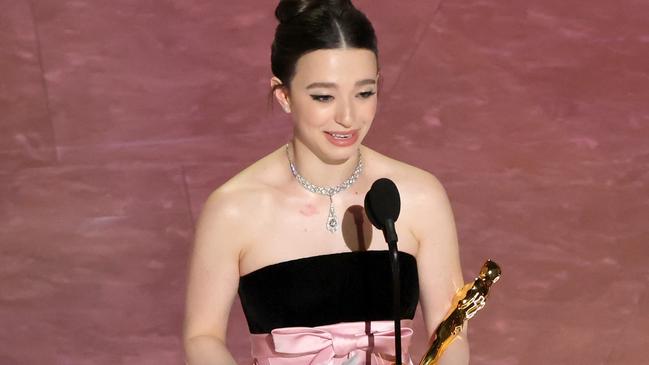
[382,207]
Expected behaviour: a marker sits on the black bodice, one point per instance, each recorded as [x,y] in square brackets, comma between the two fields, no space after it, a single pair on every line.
[327,289]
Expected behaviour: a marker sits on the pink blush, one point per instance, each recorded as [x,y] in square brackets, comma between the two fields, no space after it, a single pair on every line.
[309,210]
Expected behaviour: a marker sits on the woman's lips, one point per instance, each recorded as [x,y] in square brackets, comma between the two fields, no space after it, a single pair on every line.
[342,139]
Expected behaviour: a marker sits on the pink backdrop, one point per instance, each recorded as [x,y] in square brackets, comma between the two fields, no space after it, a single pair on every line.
[118,118]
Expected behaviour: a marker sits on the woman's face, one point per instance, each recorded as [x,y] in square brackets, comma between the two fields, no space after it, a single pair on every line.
[332,99]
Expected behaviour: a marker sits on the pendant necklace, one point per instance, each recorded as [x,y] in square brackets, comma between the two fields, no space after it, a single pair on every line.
[332,220]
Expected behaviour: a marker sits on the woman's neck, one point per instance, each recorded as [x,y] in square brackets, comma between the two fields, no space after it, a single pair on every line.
[317,171]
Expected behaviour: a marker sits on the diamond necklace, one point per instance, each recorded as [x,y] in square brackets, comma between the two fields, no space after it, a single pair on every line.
[332,220]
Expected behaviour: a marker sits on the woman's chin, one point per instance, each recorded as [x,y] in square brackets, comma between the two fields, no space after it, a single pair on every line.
[339,155]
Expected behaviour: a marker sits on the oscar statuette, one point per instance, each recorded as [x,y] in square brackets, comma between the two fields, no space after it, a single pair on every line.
[466,303]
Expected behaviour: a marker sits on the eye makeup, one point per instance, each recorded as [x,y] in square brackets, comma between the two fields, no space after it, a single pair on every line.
[326,98]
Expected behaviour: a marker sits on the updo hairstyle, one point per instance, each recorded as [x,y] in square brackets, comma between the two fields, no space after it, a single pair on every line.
[309,25]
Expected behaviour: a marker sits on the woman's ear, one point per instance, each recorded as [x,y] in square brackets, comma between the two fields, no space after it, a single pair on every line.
[280,91]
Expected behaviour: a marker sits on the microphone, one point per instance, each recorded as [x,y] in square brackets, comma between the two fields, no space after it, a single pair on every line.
[382,207]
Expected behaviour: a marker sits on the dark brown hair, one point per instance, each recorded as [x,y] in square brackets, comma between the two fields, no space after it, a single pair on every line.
[309,25]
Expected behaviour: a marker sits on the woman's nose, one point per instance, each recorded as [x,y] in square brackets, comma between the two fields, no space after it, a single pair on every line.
[344,114]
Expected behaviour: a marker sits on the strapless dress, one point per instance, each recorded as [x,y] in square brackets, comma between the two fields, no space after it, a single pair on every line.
[329,309]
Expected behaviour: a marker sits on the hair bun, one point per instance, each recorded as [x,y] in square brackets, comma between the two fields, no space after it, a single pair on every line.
[289,9]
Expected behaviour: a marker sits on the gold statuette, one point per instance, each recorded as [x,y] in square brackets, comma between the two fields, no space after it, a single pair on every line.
[466,303]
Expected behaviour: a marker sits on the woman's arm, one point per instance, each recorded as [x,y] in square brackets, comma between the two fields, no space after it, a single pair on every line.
[438,262]
[213,282]
[207,350]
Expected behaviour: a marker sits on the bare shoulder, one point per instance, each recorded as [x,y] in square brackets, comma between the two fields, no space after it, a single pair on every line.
[241,202]
[415,182]
[425,207]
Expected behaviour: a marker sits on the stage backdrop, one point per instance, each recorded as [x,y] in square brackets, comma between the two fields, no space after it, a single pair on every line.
[118,118]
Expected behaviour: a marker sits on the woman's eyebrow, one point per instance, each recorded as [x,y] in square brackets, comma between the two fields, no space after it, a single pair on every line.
[333,85]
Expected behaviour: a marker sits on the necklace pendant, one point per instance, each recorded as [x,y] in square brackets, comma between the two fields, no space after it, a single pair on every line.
[332,221]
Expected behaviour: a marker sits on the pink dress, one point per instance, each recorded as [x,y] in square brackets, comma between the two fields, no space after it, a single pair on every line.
[328,310]
[347,343]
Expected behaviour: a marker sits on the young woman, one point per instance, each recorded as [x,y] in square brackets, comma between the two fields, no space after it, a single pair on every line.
[289,233]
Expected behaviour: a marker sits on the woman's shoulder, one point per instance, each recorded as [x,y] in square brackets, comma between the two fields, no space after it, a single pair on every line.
[235,212]
[406,176]
[252,186]
[424,201]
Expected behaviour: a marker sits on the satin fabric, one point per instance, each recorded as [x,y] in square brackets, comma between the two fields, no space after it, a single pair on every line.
[347,343]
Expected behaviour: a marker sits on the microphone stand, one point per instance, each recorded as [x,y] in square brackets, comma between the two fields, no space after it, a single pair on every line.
[382,205]
[391,238]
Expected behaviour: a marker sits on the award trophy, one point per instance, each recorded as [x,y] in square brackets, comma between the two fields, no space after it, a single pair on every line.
[466,303]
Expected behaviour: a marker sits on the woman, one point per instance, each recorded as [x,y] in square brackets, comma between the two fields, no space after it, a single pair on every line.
[289,233]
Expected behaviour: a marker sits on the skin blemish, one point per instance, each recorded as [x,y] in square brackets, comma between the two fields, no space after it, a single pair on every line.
[309,210]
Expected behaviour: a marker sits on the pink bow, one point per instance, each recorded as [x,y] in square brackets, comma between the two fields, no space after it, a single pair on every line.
[328,344]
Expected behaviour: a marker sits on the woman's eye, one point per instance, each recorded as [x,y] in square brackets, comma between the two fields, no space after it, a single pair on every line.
[322,98]
[367,94]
